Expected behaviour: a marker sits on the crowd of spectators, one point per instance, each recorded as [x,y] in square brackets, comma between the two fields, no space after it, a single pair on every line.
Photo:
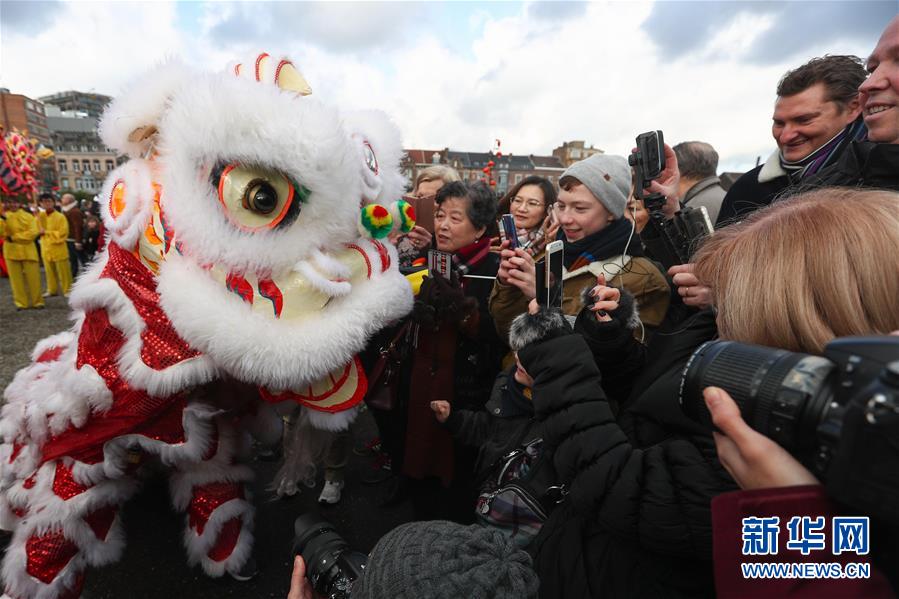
[564,430]
[557,435]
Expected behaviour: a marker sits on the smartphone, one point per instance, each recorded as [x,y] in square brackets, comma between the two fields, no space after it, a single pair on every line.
[440,263]
[549,276]
[507,231]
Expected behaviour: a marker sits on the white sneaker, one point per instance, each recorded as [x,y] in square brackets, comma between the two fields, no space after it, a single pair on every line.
[331,492]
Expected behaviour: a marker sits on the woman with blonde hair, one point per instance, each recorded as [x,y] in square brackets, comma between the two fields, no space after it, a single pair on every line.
[820,265]
[637,520]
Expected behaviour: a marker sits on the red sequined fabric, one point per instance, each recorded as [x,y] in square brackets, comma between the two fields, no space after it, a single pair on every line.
[64,484]
[226,541]
[48,555]
[133,410]
[162,346]
[207,498]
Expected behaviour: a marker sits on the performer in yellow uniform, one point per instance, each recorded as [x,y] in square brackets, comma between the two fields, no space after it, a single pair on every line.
[19,229]
[54,229]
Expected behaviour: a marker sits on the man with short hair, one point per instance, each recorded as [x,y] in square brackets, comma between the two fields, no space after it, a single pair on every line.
[75,239]
[699,182]
[816,116]
[874,163]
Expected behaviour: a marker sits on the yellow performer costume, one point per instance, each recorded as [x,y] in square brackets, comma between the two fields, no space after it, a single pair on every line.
[20,230]
[55,252]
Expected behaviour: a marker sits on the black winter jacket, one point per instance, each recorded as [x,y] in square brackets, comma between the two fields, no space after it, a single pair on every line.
[638,519]
[863,164]
[747,195]
[504,424]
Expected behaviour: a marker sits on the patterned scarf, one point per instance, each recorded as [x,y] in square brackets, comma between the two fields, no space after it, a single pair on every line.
[826,154]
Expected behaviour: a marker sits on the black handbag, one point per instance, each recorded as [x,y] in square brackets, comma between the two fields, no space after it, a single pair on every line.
[384,375]
[520,493]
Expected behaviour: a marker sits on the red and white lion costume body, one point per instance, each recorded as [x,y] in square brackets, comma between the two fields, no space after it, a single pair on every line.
[234,253]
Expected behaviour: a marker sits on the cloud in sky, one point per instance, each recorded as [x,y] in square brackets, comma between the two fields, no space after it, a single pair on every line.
[680,28]
[336,26]
[26,17]
[462,74]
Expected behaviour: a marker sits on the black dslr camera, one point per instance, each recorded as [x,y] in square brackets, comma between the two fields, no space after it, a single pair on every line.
[673,241]
[837,414]
[331,566]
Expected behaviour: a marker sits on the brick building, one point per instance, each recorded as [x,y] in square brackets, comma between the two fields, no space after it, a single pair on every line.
[508,169]
[572,151]
[29,117]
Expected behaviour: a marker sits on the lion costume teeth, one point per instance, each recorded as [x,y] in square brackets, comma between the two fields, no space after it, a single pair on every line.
[233,254]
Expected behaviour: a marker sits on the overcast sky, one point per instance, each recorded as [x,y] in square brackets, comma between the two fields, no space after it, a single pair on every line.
[461,74]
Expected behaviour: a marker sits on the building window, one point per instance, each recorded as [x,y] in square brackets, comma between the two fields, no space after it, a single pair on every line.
[109,165]
[77,183]
[96,166]
[76,166]
[63,168]
[64,183]
[518,178]
[575,153]
[86,166]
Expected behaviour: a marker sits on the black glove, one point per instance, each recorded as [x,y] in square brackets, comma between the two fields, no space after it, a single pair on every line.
[441,298]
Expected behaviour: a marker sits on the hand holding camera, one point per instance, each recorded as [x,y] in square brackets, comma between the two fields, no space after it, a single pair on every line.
[666,183]
[689,287]
[754,460]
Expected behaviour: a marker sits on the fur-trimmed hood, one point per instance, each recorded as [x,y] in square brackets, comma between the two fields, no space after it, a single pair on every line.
[532,328]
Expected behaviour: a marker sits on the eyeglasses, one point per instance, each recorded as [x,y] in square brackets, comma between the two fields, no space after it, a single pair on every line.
[516,201]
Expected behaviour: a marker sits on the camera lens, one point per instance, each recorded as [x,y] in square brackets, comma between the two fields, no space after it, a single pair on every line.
[781,394]
[331,566]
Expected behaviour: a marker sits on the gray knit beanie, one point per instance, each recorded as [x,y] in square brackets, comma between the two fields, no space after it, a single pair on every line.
[444,560]
[607,177]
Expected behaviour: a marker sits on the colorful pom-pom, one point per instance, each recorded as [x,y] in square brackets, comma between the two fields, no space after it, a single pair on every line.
[403,215]
[375,220]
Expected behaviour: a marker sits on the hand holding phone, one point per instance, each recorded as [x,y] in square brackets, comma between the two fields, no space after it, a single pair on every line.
[507,231]
[549,276]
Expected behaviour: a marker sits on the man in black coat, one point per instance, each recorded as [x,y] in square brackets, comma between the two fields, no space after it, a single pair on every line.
[816,116]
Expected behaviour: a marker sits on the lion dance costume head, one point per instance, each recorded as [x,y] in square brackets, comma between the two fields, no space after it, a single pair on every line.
[243,251]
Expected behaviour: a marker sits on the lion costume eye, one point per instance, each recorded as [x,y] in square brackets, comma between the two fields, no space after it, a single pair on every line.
[257,198]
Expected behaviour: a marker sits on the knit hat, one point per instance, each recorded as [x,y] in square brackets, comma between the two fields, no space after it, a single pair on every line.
[444,560]
[607,177]
[528,328]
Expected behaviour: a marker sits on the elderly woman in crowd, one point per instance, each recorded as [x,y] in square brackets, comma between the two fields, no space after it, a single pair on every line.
[455,356]
[638,519]
[428,182]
